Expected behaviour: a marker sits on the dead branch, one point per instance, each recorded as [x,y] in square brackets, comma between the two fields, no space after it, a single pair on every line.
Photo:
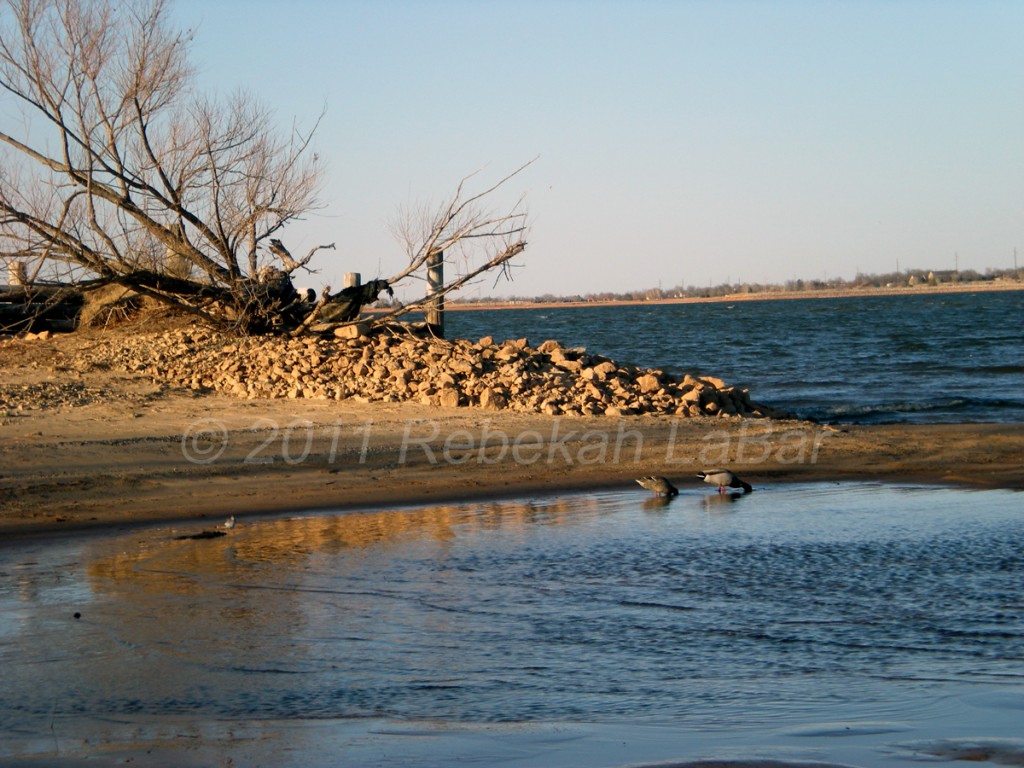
[487,240]
[290,265]
[130,166]
[495,262]
[314,315]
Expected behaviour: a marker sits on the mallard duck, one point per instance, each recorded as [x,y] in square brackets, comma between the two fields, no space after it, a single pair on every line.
[723,478]
[659,485]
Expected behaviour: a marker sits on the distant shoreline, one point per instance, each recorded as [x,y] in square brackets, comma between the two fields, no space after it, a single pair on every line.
[762,296]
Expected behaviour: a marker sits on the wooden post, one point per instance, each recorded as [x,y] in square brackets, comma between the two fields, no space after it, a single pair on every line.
[352,280]
[16,273]
[435,280]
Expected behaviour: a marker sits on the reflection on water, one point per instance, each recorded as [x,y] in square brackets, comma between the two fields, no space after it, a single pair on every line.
[734,612]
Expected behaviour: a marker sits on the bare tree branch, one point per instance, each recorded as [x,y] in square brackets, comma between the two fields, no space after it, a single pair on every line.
[129,165]
[486,239]
[290,265]
[113,168]
[499,261]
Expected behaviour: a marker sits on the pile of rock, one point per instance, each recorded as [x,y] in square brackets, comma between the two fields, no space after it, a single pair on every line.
[397,367]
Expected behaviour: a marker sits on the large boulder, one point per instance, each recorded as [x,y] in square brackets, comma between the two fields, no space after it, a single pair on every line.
[493,398]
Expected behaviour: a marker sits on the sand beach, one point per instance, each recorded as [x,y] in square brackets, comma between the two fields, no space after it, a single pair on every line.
[103,447]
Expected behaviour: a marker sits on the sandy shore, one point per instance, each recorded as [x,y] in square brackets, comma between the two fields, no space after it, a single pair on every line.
[100,450]
[129,451]
[778,295]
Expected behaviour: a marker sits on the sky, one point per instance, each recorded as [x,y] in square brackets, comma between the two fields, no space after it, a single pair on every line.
[676,143]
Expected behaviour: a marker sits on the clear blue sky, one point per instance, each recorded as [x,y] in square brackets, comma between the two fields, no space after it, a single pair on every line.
[678,142]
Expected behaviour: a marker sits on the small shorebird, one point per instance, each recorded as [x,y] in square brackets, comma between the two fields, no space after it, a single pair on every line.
[723,478]
[659,485]
[229,523]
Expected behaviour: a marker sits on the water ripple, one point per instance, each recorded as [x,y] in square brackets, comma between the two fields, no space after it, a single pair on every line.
[863,359]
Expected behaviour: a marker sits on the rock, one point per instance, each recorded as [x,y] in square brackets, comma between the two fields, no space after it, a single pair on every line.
[393,366]
[568,365]
[507,353]
[354,331]
[493,399]
[461,366]
[449,398]
[691,396]
[648,383]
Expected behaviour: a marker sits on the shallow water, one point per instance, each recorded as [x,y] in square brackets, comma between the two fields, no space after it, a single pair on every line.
[785,618]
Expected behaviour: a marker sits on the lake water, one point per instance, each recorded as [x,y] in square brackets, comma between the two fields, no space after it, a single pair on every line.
[846,623]
[955,357]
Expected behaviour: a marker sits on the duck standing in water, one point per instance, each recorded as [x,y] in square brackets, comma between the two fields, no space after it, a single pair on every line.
[659,485]
[723,478]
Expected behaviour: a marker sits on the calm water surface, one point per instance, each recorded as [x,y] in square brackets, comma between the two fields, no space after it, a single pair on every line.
[926,358]
[762,614]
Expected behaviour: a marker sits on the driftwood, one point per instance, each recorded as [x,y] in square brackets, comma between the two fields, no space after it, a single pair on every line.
[39,308]
[37,293]
[58,307]
[201,535]
[12,311]
[333,311]
[345,306]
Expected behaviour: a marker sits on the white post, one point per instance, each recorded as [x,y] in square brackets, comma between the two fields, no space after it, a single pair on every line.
[16,273]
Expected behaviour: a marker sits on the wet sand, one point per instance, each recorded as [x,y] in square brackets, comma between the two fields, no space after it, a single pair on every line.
[325,743]
[141,454]
[82,447]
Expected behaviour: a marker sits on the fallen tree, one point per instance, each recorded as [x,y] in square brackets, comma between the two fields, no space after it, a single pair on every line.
[114,171]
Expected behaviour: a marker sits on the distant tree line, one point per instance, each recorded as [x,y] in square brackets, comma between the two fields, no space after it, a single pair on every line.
[908,278]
